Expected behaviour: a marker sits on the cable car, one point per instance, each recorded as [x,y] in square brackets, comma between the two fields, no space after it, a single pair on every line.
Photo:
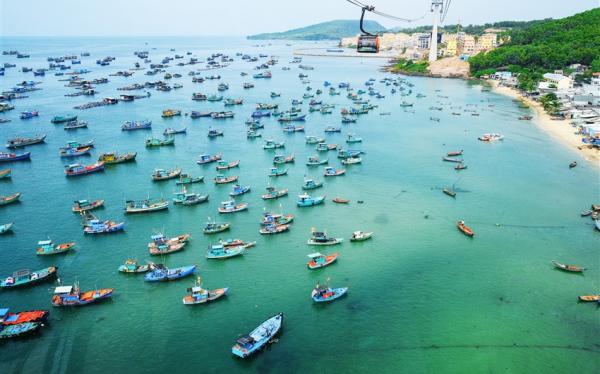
[367,42]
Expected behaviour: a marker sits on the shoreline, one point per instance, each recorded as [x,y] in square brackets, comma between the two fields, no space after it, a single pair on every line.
[561,130]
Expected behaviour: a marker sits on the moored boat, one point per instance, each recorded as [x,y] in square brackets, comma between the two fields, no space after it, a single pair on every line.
[275,172]
[46,247]
[230,206]
[24,278]
[239,190]
[95,226]
[136,125]
[339,200]
[160,273]
[589,298]
[5,200]
[155,142]
[132,266]
[569,268]
[359,236]
[22,142]
[9,157]
[7,318]
[307,200]
[78,169]
[85,205]
[318,260]
[111,158]
[219,252]
[249,344]
[207,159]
[62,119]
[5,173]
[321,238]
[185,178]
[323,294]
[199,295]
[224,165]
[215,227]
[222,179]
[273,193]
[162,174]
[465,229]
[18,330]
[72,296]
[311,184]
[145,205]
[4,228]
[75,152]
[161,245]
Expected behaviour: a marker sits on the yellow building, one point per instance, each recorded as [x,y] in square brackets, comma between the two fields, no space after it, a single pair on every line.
[487,41]
[451,46]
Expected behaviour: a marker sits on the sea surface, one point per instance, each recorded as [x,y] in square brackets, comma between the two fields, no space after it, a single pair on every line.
[423,297]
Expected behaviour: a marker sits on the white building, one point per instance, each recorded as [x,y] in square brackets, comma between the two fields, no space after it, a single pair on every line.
[560,81]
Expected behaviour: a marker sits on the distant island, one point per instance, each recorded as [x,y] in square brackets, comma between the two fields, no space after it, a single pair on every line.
[332,30]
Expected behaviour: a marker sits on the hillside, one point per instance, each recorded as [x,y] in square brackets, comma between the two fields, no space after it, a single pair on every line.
[323,31]
[472,29]
[545,46]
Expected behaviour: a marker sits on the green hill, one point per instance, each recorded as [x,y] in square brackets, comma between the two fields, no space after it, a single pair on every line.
[545,46]
[323,31]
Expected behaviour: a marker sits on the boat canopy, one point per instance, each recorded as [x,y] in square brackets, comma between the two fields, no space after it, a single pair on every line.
[315,255]
[45,242]
[246,339]
[63,289]
[197,289]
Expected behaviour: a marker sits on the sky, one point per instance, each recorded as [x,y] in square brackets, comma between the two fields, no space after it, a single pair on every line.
[245,17]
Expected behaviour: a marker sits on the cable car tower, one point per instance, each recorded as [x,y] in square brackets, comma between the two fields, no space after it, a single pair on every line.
[437,6]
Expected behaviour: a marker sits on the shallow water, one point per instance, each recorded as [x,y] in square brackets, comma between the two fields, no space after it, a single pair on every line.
[423,297]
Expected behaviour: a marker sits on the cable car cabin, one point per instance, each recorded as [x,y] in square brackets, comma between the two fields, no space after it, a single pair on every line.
[367,44]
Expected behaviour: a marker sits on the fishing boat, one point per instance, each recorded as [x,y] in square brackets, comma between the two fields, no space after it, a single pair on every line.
[348,120]
[132,266]
[75,152]
[215,227]
[454,153]
[24,278]
[161,245]
[95,226]
[352,138]
[136,125]
[239,190]
[212,133]
[318,260]
[339,200]
[17,318]
[199,295]
[29,114]
[315,161]
[228,243]
[332,129]
[293,129]
[460,166]
[74,170]
[72,296]
[569,268]
[273,193]
[360,236]
[261,113]
[321,238]
[145,205]
[155,142]
[73,125]
[283,159]
[251,134]
[271,144]
[6,228]
[588,298]
[314,139]
[450,159]
[214,98]
[307,200]
[111,158]
[167,113]
[269,218]
[22,142]
[449,192]
[184,197]
[185,178]
[19,330]
[311,184]
[491,137]
[86,205]
[256,340]
[46,247]
[5,200]
[323,294]
[207,159]
[5,173]
[351,161]
[232,102]
[219,252]
[196,114]
[9,157]
[63,119]
[572,164]
[172,131]
[222,115]
[333,172]
[222,179]
[78,145]
[273,228]
[162,174]
[160,273]
[465,229]
[275,172]
[224,165]
[231,207]
[597,224]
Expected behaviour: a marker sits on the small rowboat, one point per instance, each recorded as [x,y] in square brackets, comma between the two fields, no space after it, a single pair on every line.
[570,268]
[223,165]
[572,164]
[465,229]
[5,200]
[85,205]
[24,278]
[221,179]
[5,173]
[46,247]
[460,167]
[449,192]
[340,200]
[454,153]
[322,294]
[6,228]
[198,295]
[256,340]
[360,236]
[588,298]
[318,260]
[586,213]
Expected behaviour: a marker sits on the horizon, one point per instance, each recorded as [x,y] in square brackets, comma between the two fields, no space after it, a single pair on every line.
[248,19]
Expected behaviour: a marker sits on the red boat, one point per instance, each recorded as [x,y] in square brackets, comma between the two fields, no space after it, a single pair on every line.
[465,229]
[7,318]
[78,169]
[339,200]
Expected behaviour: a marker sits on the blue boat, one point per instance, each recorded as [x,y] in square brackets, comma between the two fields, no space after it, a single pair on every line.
[96,226]
[249,344]
[261,113]
[29,114]
[218,251]
[239,190]
[321,294]
[161,273]
[307,200]
[8,157]
[136,125]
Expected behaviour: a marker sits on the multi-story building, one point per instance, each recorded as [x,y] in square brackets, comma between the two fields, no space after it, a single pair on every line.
[451,45]
[422,40]
[487,42]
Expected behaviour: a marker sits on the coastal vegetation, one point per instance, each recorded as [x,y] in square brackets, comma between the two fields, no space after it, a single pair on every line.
[473,29]
[550,103]
[543,47]
[410,67]
[322,31]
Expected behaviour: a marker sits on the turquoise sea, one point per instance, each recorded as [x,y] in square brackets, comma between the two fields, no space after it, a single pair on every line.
[423,297]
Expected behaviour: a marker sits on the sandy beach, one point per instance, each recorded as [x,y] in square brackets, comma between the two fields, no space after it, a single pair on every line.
[561,130]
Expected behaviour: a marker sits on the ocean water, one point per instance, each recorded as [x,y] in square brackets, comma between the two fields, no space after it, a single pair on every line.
[423,297]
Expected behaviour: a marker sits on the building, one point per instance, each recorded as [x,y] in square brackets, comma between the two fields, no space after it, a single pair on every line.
[560,81]
[451,45]
[487,42]
[422,40]
[466,45]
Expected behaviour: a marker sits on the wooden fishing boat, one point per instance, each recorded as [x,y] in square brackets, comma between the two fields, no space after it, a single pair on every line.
[5,173]
[589,298]
[6,228]
[351,161]
[224,165]
[8,319]
[315,161]
[184,197]
[273,193]
[63,119]
[318,260]
[160,273]
[161,245]
[74,170]
[46,247]
[136,125]
[78,145]
[275,172]
[311,184]
[314,140]
[145,206]
[19,330]
[222,179]
[86,205]
[219,252]
[271,144]
[132,266]
[491,137]
[259,338]
[5,200]
[112,158]
[449,192]
[251,134]
[569,268]
[185,178]
[339,200]
[305,200]
[215,227]
[454,153]
[333,172]
[572,164]
[231,207]
[95,226]
[171,131]
[323,294]
[167,113]
[332,129]
[229,243]
[269,218]
[283,159]
[239,190]
[207,159]
[22,142]
[321,238]
[272,228]
[162,174]
[25,278]
[75,152]
[360,236]
[465,229]
[72,296]
[9,157]
[155,142]
[74,125]
[199,295]
[212,133]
